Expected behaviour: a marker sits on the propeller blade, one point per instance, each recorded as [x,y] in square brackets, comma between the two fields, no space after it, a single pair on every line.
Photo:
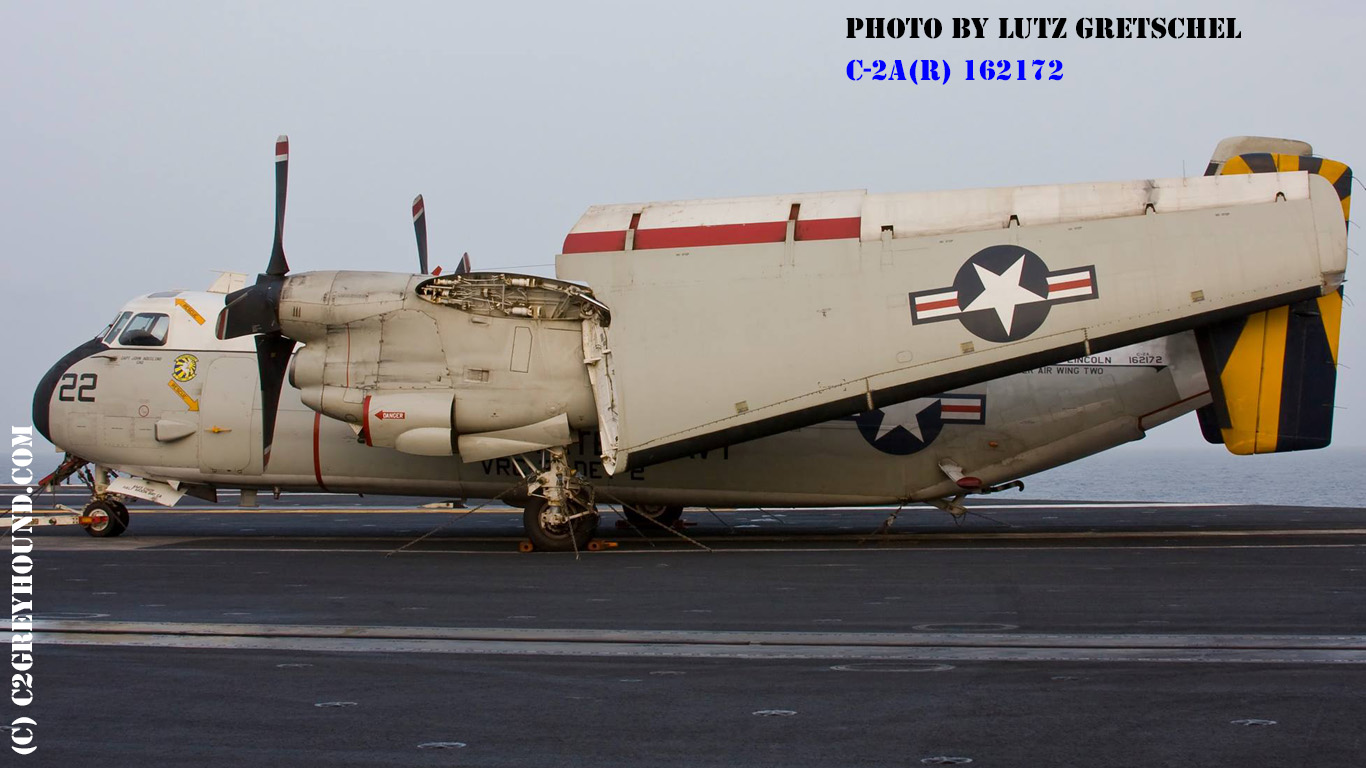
[255,310]
[463,267]
[278,266]
[272,361]
[420,227]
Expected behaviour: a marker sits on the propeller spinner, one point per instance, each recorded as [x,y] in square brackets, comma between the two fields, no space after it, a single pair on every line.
[256,310]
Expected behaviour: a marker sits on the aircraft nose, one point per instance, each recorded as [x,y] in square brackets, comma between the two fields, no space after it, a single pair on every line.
[47,386]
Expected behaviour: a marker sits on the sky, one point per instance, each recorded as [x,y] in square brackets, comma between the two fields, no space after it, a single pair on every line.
[136,138]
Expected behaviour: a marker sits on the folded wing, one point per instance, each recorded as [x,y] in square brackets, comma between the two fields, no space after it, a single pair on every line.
[735,319]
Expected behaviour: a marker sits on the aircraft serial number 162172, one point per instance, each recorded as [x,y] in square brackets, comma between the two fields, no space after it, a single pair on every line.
[811,349]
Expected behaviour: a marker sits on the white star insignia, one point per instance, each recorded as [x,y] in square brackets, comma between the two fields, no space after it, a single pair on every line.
[905,415]
[1003,293]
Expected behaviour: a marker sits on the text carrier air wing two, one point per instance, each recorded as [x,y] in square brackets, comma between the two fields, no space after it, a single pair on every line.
[734,319]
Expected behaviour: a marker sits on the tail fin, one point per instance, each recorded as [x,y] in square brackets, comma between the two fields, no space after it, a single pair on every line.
[1273,374]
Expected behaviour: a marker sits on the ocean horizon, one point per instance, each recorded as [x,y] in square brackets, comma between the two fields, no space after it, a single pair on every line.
[1333,477]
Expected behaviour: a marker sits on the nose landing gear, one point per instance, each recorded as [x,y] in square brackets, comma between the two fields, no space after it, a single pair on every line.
[104,516]
[108,517]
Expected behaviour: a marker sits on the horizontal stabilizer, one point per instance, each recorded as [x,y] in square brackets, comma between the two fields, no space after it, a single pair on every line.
[743,318]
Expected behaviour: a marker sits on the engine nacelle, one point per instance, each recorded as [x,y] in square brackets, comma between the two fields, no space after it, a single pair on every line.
[419,363]
[314,303]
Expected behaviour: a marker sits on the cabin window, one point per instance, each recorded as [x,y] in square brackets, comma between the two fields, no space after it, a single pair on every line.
[146,329]
[112,330]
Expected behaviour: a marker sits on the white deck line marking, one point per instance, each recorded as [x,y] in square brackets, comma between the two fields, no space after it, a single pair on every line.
[711,636]
[1244,649]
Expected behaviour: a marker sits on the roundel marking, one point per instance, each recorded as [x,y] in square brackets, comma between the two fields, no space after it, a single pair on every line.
[906,428]
[1003,293]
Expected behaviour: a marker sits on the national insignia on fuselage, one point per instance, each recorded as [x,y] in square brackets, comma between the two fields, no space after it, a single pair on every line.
[1003,293]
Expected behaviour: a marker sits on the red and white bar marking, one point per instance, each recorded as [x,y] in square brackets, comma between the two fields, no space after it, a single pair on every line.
[935,305]
[967,409]
[1072,284]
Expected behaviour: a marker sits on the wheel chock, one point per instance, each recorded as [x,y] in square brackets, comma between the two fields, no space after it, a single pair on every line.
[526,546]
[598,545]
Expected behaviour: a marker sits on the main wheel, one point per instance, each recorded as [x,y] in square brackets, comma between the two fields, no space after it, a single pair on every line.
[549,531]
[108,518]
[642,515]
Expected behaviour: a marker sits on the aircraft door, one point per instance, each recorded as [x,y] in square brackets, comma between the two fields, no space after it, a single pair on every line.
[225,415]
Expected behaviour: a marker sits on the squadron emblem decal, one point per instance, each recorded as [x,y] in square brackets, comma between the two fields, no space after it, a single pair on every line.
[908,427]
[1003,293]
[184,367]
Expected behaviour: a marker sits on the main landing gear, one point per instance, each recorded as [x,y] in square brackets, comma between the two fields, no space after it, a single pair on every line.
[647,517]
[559,515]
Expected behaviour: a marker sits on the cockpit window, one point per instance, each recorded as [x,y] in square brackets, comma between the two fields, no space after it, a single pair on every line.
[112,330]
[146,329]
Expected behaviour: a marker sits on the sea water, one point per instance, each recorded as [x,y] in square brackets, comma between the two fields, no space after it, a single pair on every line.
[1333,477]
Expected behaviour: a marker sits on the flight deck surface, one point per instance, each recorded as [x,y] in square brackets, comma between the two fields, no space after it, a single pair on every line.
[1030,633]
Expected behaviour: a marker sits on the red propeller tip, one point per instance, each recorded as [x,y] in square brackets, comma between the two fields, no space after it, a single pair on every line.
[282,148]
[417,207]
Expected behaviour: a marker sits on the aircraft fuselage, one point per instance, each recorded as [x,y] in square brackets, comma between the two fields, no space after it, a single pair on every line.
[190,412]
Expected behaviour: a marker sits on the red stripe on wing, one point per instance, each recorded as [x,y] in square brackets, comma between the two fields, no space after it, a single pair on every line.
[719,234]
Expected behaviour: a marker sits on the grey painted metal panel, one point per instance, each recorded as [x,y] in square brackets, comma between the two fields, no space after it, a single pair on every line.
[521,349]
[225,411]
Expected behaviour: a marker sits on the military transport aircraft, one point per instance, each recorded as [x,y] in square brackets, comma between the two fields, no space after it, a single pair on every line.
[813,349]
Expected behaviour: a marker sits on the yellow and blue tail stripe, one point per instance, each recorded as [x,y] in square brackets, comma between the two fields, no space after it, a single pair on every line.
[1273,374]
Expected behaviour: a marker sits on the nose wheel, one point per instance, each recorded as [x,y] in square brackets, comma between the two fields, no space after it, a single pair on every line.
[107,518]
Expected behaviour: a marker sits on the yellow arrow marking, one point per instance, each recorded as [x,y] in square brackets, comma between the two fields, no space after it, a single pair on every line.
[185,305]
[190,401]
